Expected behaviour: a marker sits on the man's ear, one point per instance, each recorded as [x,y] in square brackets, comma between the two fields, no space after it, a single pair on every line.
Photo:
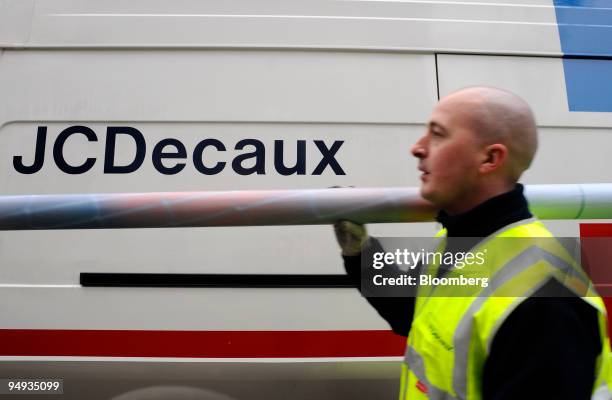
[496,155]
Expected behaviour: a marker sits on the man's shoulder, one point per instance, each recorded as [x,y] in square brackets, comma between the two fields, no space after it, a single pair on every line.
[528,227]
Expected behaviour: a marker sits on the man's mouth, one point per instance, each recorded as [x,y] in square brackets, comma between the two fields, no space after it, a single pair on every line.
[424,174]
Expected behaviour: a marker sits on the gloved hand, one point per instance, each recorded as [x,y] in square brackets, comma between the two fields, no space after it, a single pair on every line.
[351,237]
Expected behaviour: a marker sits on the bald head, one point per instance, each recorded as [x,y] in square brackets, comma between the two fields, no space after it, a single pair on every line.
[499,116]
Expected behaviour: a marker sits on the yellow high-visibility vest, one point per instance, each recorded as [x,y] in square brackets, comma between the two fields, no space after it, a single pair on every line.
[450,336]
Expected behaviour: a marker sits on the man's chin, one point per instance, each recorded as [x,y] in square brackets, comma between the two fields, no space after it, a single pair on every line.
[425,193]
[430,196]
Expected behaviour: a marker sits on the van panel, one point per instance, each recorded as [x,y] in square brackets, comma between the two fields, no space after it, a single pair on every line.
[15,21]
[540,81]
[177,309]
[489,27]
[191,96]
[197,86]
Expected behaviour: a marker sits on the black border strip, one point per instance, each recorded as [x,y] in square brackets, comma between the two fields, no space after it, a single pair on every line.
[586,56]
[437,78]
[96,279]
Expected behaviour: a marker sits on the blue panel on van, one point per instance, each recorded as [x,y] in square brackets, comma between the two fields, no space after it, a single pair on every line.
[589,84]
[585,30]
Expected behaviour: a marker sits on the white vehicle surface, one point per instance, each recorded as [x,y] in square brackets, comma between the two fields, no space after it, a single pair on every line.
[160,96]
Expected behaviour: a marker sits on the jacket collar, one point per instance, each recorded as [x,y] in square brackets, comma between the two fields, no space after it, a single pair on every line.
[489,216]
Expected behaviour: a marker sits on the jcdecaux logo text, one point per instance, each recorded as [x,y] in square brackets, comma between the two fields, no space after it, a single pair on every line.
[169,156]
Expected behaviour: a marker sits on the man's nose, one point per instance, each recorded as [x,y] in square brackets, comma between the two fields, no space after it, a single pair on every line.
[418,149]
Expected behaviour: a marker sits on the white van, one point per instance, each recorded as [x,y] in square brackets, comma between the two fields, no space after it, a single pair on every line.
[160,96]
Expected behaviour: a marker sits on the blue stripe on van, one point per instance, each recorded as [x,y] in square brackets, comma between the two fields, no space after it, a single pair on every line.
[585,30]
[585,26]
[588,84]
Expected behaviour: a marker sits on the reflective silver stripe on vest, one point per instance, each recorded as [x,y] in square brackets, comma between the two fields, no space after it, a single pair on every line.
[461,338]
[602,392]
[417,366]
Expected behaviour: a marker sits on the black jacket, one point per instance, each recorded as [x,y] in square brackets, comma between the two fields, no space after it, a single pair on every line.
[545,349]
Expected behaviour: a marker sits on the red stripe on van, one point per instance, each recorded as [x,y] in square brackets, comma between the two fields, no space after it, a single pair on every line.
[204,344]
[595,230]
[598,258]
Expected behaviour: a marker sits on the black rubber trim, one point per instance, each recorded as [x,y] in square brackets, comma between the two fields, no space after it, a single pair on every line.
[437,77]
[588,56]
[215,280]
